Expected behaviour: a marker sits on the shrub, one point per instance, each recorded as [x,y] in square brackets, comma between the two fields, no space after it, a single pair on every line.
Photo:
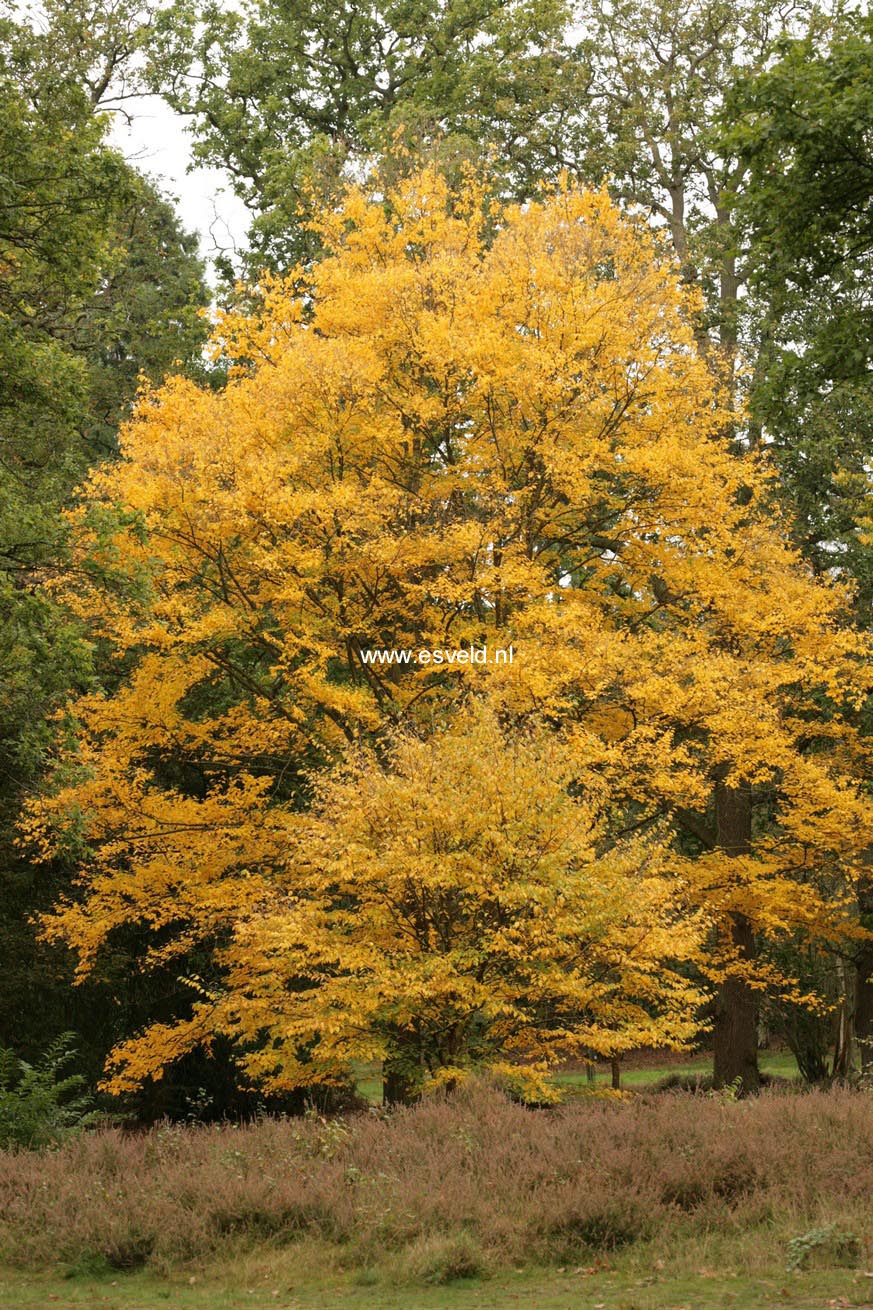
[601,1225]
[444,1258]
[40,1104]
[841,1247]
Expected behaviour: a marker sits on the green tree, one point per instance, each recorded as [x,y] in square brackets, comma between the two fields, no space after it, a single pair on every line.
[98,283]
[803,128]
[287,95]
[145,319]
[654,106]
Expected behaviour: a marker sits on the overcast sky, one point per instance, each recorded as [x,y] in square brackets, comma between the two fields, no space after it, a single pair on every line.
[157,143]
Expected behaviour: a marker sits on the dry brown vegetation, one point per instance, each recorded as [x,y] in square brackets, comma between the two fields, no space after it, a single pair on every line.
[456,1185]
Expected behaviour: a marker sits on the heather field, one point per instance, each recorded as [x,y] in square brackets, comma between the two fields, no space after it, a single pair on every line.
[662,1200]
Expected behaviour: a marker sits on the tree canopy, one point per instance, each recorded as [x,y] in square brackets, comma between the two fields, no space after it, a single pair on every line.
[465,424]
[554,338]
[286,95]
[803,126]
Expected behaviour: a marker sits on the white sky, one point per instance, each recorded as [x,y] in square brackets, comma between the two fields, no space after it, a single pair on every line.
[157,142]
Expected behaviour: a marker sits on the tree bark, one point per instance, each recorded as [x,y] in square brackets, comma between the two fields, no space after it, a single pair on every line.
[735,1032]
[401,1069]
[864,981]
[397,1085]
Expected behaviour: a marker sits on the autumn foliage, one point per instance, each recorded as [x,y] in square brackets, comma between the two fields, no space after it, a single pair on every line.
[465,424]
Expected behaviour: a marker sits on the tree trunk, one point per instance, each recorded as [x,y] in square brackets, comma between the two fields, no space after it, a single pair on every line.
[735,1032]
[864,981]
[398,1087]
[845,1038]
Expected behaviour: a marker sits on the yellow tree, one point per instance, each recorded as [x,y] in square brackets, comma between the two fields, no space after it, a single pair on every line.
[457,903]
[464,425]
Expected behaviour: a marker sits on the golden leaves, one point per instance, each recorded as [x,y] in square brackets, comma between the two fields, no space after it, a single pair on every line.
[458,886]
[427,442]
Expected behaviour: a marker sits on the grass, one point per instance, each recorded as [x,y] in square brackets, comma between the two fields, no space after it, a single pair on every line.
[779,1064]
[368,1081]
[715,1273]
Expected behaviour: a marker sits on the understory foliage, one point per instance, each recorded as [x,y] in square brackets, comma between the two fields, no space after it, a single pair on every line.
[465,425]
[450,1187]
[42,1103]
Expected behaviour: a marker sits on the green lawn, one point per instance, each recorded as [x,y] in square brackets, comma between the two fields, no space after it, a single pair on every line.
[778,1063]
[639,1282]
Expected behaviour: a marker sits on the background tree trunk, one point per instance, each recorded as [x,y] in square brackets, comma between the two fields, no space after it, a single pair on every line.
[735,1032]
[864,981]
[401,1069]
[397,1085]
[844,1044]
